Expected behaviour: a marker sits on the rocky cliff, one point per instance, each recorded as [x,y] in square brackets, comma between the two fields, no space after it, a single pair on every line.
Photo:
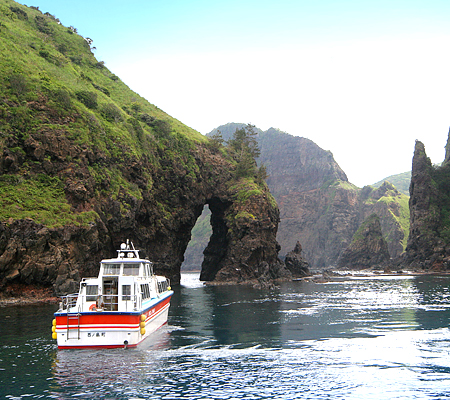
[429,237]
[85,163]
[318,206]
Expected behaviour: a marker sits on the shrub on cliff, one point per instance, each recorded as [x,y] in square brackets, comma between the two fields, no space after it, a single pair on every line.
[21,14]
[245,150]
[18,84]
[111,113]
[42,25]
[89,99]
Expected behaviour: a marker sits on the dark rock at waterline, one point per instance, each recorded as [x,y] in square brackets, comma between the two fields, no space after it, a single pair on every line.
[296,263]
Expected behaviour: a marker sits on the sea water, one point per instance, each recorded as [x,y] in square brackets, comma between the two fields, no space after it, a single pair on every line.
[380,337]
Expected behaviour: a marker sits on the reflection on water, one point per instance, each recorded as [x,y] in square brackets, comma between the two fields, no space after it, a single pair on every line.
[361,338]
[104,373]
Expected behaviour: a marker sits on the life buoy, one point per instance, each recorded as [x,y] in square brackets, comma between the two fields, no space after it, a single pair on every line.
[92,307]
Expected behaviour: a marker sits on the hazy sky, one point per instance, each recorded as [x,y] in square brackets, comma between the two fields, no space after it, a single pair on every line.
[363,79]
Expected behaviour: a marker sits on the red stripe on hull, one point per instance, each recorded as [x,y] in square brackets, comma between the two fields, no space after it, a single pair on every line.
[107,319]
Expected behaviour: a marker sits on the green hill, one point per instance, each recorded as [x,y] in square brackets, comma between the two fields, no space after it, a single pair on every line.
[51,81]
[400,181]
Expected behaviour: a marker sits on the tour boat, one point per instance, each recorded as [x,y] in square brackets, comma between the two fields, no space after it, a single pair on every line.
[119,308]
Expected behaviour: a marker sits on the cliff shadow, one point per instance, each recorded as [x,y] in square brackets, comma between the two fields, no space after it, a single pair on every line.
[208,244]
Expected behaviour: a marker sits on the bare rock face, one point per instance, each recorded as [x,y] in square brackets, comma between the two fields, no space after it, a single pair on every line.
[368,248]
[33,255]
[296,263]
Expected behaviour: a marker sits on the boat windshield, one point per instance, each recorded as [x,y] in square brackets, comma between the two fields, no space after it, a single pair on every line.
[91,292]
[111,269]
[131,269]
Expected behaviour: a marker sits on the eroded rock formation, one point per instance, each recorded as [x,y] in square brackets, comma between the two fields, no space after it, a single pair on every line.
[243,246]
[296,263]
[429,238]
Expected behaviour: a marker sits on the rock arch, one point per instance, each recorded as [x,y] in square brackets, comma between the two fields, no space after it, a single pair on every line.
[244,219]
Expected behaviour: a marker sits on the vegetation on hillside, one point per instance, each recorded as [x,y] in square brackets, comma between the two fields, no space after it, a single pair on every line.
[51,82]
[370,220]
[41,199]
[402,218]
[441,178]
[244,150]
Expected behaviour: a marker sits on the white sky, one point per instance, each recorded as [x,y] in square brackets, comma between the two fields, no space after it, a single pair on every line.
[363,79]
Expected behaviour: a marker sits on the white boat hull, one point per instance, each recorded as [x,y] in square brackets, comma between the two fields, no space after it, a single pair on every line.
[111,329]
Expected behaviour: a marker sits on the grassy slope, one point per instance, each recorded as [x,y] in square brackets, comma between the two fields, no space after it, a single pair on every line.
[395,197]
[403,218]
[44,62]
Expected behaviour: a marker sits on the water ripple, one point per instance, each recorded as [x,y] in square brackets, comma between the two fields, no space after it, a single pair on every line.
[353,339]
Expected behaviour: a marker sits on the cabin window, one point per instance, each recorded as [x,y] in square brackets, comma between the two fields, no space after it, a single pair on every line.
[131,269]
[162,286]
[111,269]
[126,292]
[145,290]
[148,268]
[91,292]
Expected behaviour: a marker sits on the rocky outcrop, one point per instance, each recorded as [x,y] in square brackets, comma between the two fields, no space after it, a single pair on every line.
[400,181]
[429,237]
[34,255]
[200,235]
[242,246]
[368,248]
[447,150]
[296,163]
[296,263]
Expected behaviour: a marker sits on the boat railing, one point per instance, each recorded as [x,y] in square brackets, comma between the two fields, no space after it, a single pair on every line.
[106,302]
[68,302]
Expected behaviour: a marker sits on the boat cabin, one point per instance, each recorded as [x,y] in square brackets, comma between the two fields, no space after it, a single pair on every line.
[123,284]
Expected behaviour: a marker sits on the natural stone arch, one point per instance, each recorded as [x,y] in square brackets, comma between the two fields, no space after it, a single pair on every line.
[242,249]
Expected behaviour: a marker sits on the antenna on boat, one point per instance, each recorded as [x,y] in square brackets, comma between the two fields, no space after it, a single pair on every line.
[127,249]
